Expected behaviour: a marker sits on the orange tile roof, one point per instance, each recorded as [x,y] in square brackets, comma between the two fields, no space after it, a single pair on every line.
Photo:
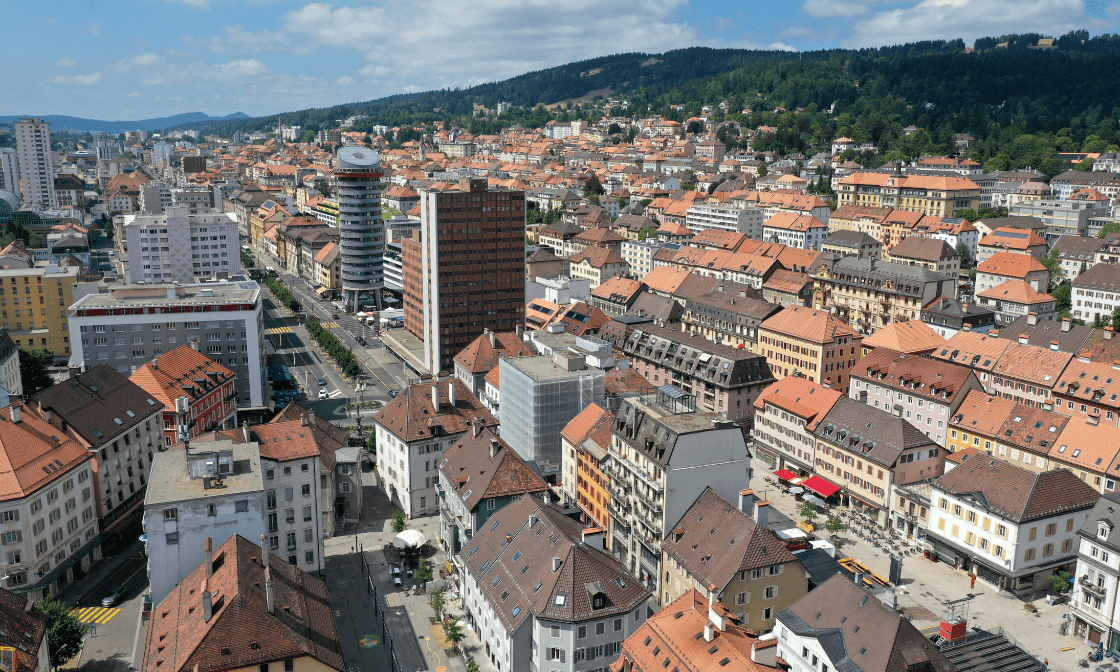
[982,413]
[1016,291]
[908,337]
[972,349]
[33,454]
[285,441]
[818,326]
[799,395]
[181,371]
[665,279]
[1011,264]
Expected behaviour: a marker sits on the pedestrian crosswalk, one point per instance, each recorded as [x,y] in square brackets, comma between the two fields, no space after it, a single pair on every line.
[330,325]
[336,393]
[95,615]
[279,330]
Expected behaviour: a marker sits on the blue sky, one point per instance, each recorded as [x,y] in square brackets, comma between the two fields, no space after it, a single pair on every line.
[138,59]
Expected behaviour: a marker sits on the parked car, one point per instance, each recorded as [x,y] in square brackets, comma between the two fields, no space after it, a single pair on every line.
[114,597]
[323,393]
[322,382]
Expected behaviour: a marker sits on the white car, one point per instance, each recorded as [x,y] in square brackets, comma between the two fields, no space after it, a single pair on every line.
[323,393]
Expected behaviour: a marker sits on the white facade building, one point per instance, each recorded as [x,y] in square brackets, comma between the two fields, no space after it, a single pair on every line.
[747,220]
[639,254]
[1013,536]
[36,173]
[1093,598]
[179,246]
[9,170]
[804,232]
[185,506]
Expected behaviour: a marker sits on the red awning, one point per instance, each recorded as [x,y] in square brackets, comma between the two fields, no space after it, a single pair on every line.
[820,486]
[785,475]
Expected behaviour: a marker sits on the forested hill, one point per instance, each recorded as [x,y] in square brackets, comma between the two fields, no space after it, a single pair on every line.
[1022,103]
[619,73]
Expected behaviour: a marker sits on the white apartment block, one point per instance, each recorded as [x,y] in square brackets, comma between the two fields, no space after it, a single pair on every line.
[747,220]
[216,493]
[179,246]
[292,496]
[129,324]
[1093,598]
[33,145]
[9,170]
[48,528]
[803,231]
[639,254]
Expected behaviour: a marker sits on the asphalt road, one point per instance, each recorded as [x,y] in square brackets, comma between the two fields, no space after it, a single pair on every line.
[113,639]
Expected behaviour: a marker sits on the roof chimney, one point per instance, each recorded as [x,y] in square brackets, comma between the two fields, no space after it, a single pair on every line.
[207,601]
[435,397]
[556,562]
[762,513]
[1032,318]
[746,500]
[716,619]
[451,393]
[1023,339]
[1108,331]
[47,416]
[493,339]
[17,411]
[264,550]
[1066,324]
[194,344]
[495,446]
[709,631]
[155,363]
[1054,345]
[269,597]
[209,556]
[532,519]
[476,427]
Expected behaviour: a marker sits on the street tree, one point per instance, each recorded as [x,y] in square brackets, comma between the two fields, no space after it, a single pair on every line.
[33,369]
[64,631]
[398,521]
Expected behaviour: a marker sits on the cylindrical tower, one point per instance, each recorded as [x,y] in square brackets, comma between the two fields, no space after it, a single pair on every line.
[361,234]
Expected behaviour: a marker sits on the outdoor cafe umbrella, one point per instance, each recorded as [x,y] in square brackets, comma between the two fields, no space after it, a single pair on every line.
[797,491]
[410,538]
[814,500]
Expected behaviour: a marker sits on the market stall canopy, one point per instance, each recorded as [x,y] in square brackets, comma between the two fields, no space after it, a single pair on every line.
[410,538]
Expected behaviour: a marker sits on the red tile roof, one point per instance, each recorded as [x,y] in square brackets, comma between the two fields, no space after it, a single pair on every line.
[242,633]
[183,371]
[33,454]
[807,399]
[412,415]
[818,326]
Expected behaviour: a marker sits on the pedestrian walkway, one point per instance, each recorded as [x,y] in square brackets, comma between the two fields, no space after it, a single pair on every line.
[95,615]
[278,330]
[330,325]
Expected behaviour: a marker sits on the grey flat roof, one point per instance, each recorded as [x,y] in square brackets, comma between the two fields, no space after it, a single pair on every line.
[541,367]
[170,480]
[205,294]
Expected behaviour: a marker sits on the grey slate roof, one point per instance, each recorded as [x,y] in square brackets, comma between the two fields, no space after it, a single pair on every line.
[882,435]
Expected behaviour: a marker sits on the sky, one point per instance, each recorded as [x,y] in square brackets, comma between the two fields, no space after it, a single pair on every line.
[139,59]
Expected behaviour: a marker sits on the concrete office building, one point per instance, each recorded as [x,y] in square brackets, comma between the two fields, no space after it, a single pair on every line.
[361,232]
[213,489]
[725,218]
[33,145]
[33,304]
[9,170]
[129,325]
[464,271]
[178,246]
[540,396]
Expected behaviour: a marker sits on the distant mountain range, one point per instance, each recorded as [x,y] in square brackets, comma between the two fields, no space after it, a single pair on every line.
[63,123]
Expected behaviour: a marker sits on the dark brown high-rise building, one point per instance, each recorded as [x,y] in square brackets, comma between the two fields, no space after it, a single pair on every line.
[464,269]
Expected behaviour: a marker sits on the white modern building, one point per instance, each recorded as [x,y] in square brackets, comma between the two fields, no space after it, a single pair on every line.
[179,246]
[361,233]
[639,254]
[746,220]
[801,231]
[1012,535]
[9,170]
[540,592]
[36,172]
[213,490]
[128,325]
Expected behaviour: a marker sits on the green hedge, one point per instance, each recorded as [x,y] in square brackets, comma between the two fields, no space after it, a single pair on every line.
[282,293]
[340,353]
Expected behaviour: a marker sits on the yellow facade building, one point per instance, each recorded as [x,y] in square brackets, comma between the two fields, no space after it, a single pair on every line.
[33,306]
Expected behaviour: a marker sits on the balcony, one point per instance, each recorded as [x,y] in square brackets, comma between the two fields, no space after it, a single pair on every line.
[1093,588]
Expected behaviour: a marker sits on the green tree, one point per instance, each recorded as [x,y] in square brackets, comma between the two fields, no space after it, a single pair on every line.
[424,572]
[1109,227]
[437,601]
[472,666]
[64,631]
[1061,294]
[453,632]
[1059,582]
[33,369]
[398,521]
[834,525]
[647,232]
[1054,265]
[966,256]
[1116,319]
[808,511]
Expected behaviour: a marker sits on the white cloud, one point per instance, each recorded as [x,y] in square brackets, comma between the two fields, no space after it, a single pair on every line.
[345,80]
[85,80]
[425,44]
[968,19]
[247,67]
[237,40]
[134,94]
[831,8]
[66,62]
[94,28]
[133,63]
[782,46]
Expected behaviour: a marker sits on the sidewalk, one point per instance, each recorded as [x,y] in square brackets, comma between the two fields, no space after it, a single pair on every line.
[927,586]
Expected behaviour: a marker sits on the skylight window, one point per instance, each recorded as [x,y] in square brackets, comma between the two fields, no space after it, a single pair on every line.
[516,610]
[560,600]
[538,586]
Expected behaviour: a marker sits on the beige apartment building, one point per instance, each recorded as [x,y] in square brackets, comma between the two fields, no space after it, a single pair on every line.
[930,195]
[814,344]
